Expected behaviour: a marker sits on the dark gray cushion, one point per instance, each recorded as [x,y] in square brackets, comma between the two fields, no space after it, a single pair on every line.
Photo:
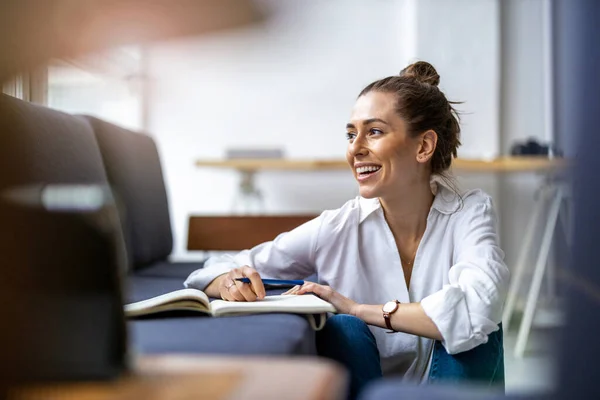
[134,171]
[39,145]
[166,269]
[189,332]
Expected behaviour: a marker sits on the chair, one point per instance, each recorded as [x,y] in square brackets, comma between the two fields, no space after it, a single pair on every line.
[134,172]
[58,267]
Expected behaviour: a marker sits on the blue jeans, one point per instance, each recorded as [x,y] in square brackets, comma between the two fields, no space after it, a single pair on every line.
[483,365]
[348,340]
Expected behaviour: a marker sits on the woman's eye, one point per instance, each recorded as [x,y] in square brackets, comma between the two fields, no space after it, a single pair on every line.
[350,135]
[376,132]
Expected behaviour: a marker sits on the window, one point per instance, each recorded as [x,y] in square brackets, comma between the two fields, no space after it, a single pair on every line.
[107,85]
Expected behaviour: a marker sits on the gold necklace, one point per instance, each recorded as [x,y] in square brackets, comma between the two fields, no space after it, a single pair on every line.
[413,258]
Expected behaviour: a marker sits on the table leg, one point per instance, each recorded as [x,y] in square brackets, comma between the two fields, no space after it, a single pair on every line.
[248,199]
[564,218]
[538,275]
[521,265]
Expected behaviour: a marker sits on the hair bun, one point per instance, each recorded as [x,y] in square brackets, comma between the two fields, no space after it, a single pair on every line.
[423,72]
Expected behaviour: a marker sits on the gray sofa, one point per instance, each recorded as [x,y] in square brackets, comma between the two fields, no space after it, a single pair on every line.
[47,146]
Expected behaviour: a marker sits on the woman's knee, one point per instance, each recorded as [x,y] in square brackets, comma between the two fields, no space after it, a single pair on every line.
[348,340]
[343,327]
[346,322]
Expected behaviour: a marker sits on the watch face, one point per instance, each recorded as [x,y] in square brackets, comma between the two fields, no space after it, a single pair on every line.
[389,306]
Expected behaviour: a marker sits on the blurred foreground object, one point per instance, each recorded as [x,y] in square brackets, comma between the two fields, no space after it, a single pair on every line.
[178,376]
[34,31]
[578,35]
[62,260]
[61,251]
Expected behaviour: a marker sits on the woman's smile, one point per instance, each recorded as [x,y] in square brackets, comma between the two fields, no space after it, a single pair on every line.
[366,171]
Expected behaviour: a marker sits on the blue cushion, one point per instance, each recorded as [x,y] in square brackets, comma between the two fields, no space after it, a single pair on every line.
[166,269]
[191,332]
[143,287]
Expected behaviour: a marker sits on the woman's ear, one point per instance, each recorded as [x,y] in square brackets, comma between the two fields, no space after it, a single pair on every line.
[428,141]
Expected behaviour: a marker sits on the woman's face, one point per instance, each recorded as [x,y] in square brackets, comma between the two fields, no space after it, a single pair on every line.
[383,158]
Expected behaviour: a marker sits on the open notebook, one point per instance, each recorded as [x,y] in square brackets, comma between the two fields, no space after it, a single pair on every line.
[196,300]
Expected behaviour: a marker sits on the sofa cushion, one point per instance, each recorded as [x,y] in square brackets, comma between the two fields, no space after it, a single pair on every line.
[166,269]
[39,145]
[134,171]
[266,334]
[139,288]
[191,332]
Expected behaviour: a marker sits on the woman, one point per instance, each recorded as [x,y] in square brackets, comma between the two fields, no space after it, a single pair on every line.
[409,255]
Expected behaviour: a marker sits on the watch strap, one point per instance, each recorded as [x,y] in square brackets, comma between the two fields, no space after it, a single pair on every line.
[388,323]
[387,317]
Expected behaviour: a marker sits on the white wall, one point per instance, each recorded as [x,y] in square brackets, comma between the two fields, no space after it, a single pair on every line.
[462,40]
[522,111]
[292,84]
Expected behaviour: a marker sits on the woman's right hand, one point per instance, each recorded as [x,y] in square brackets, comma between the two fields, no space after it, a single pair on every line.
[233,290]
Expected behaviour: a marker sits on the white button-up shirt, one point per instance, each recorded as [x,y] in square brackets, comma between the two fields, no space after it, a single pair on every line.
[458,276]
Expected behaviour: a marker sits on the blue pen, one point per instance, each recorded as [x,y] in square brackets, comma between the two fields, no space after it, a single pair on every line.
[274,281]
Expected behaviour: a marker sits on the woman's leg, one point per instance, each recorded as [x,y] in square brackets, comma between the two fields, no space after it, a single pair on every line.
[348,340]
[483,365]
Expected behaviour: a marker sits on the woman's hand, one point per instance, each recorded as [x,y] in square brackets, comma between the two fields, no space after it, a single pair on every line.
[233,290]
[342,304]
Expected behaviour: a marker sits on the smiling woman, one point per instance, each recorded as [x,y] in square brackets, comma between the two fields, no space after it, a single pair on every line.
[410,256]
[395,119]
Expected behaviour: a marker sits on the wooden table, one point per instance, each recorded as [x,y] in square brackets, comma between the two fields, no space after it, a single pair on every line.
[175,377]
[228,232]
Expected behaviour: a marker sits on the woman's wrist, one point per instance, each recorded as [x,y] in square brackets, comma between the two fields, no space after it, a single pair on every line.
[212,289]
[356,310]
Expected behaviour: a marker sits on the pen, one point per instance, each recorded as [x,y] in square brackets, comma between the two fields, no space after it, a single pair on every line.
[274,281]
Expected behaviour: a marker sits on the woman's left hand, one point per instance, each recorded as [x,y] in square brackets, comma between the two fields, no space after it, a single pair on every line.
[342,304]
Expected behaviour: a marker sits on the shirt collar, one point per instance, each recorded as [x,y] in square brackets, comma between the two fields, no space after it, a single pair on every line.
[447,200]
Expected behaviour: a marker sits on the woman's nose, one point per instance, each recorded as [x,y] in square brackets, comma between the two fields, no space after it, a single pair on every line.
[357,147]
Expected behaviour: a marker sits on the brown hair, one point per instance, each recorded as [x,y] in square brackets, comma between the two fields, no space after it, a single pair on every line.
[423,106]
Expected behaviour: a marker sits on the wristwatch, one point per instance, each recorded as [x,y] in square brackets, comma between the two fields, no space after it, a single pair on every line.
[388,309]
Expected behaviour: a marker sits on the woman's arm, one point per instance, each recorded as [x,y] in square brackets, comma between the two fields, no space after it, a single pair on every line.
[463,313]
[290,256]
[469,307]
[408,318]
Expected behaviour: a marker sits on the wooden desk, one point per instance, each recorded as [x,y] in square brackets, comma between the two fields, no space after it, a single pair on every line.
[226,233]
[501,164]
[198,377]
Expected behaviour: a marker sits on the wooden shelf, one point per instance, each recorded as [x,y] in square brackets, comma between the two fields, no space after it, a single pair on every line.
[502,164]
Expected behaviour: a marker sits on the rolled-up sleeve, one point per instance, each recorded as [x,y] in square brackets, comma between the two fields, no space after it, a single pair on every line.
[289,256]
[469,307]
